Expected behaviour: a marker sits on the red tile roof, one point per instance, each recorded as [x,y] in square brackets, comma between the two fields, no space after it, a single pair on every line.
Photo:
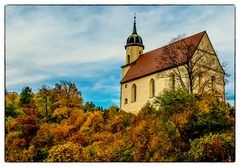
[155,61]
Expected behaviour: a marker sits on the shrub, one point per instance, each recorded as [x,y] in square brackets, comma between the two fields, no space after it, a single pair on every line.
[213,147]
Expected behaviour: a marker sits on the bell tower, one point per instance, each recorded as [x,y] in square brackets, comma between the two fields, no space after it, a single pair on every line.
[134,46]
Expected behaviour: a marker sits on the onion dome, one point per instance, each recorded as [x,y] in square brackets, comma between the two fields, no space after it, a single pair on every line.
[134,39]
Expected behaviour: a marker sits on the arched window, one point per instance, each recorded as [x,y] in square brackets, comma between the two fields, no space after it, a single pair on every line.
[152,88]
[134,93]
[172,78]
[128,59]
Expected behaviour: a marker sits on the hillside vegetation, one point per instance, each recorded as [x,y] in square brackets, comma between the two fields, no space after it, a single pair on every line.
[53,125]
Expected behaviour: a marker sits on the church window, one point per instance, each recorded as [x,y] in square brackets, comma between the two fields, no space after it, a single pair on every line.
[126,101]
[134,93]
[152,88]
[125,85]
[172,78]
[128,59]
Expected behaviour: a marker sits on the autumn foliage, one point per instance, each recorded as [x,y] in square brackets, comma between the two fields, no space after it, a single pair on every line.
[53,125]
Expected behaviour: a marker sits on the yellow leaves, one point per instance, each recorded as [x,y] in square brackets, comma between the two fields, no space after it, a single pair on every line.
[105,136]
[11,125]
[180,119]
[71,134]
[61,113]
[76,119]
[44,135]
[93,123]
[11,98]
[12,135]
[203,106]
[68,152]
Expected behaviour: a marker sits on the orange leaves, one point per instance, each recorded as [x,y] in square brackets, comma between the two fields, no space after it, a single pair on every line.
[181,119]
[68,133]
[76,118]
[18,142]
[79,138]
[104,136]
[60,132]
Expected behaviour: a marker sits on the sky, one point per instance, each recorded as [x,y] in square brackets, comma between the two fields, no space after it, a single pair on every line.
[85,44]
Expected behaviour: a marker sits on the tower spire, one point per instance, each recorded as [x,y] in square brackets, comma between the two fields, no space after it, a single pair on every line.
[134,25]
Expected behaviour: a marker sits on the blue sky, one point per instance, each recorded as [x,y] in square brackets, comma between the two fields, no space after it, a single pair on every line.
[85,44]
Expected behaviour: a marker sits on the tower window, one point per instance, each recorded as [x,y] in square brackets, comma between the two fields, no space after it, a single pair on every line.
[134,93]
[128,50]
[126,101]
[131,40]
[125,85]
[152,88]
[128,59]
[136,40]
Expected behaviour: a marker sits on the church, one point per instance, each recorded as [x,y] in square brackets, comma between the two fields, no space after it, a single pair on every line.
[189,63]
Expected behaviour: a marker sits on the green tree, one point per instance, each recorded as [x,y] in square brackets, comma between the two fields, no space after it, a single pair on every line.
[89,107]
[26,96]
[43,101]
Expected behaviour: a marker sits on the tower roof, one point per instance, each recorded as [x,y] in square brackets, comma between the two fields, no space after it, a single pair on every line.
[134,39]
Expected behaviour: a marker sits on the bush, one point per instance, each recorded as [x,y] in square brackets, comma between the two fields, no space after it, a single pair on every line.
[213,147]
[68,152]
[172,101]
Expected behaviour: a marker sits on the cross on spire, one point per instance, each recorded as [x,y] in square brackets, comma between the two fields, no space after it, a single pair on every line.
[134,25]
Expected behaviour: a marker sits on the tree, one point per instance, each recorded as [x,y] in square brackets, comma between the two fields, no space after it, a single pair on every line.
[89,107]
[11,101]
[44,101]
[68,95]
[194,67]
[26,96]
[68,152]
[213,147]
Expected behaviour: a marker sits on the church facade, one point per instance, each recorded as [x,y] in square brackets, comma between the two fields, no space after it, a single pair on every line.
[189,63]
